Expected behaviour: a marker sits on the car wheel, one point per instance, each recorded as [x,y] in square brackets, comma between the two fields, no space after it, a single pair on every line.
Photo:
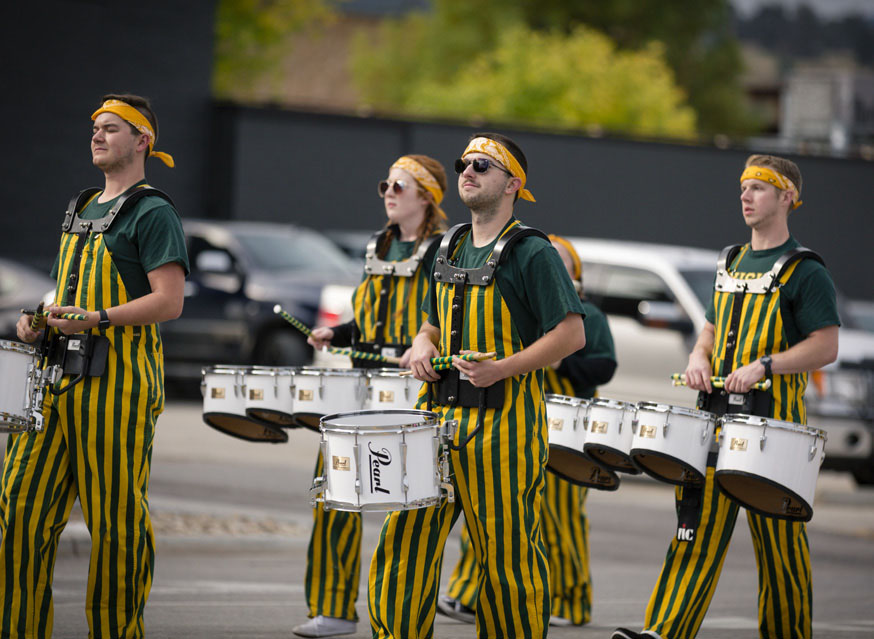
[282,348]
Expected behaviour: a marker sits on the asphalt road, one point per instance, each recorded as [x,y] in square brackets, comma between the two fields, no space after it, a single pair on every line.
[233,521]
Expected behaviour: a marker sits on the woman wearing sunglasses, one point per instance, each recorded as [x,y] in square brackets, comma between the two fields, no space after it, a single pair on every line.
[387,309]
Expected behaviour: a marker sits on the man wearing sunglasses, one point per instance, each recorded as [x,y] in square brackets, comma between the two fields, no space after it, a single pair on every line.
[497,287]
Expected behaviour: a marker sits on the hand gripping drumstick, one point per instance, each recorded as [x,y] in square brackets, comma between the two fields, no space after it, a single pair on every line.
[445,363]
[374,357]
[718,382]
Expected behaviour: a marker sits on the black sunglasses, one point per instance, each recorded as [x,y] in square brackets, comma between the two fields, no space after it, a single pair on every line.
[480,165]
[398,186]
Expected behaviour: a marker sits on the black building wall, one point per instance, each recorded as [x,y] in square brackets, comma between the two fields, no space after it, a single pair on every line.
[59,57]
[321,170]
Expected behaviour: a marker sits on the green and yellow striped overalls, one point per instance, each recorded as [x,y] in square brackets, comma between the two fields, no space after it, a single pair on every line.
[566,535]
[96,444]
[387,311]
[691,570]
[499,478]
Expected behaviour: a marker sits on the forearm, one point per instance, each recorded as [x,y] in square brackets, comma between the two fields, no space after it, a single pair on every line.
[815,351]
[567,337]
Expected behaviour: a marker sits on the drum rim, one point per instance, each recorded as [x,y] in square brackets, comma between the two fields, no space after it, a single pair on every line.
[331,504]
[727,471]
[388,372]
[19,347]
[272,371]
[556,398]
[606,401]
[433,419]
[224,369]
[794,427]
[659,407]
[313,371]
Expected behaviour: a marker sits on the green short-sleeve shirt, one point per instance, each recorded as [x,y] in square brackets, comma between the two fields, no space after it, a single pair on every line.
[140,240]
[599,345]
[807,301]
[532,281]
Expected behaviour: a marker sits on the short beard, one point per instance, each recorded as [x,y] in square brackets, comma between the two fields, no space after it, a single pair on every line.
[483,206]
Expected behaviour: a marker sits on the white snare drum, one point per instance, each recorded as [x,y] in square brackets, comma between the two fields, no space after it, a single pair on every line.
[609,434]
[326,391]
[671,443]
[566,422]
[20,392]
[384,460]
[770,466]
[224,406]
[270,395]
[387,388]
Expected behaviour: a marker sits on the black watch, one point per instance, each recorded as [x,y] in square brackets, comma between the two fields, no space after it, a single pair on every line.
[103,322]
[766,362]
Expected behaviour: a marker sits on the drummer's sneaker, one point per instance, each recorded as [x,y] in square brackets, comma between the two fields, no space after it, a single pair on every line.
[624,633]
[453,608]
[560,622]
[322,626]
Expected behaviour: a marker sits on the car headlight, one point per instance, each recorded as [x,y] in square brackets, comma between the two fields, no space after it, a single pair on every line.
[841,392]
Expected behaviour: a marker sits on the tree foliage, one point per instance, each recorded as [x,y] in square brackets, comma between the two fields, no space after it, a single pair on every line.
[695,41]
[253,35]
[578,79]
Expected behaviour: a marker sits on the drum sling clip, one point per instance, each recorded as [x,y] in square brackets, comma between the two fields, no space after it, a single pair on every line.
[80,355]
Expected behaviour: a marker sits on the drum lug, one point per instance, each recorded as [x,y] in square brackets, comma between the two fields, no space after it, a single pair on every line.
[275,374]
[405,483]
[355,454]
[634,424]
[812,453]
[764,436]
[322,390]
[317,491]
[665,427]
[448,491]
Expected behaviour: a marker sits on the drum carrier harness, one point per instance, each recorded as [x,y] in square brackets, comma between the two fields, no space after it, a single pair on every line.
[374,265]
[454,389]
[754,402]
[84,354]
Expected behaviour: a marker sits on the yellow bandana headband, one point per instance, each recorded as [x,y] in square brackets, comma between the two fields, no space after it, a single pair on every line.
[129,114]
[424,178]
[499,152]
[773,178]
[575,258]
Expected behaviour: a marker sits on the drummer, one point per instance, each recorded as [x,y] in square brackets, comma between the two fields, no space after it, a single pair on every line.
[565,525]
[387,315]
[779,334]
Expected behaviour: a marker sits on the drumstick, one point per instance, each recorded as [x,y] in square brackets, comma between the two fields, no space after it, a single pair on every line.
[82,317]
[719,382]
[373,357]
[445,363]
[34,322]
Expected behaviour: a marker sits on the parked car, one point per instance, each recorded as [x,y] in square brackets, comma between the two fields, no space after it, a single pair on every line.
[239,272]
[352,243]
[654,297]
[21,286]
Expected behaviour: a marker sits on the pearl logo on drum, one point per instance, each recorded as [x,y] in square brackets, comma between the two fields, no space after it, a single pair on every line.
[376,460]
[556,423]
[599,427]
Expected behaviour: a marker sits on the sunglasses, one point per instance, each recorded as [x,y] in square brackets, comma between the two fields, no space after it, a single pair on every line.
[398,186]
[480,165]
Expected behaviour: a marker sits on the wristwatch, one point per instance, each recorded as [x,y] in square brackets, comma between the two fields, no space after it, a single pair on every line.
[103,322]
[766,362]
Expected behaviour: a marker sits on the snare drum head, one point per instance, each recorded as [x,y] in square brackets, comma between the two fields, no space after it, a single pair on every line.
[573,466]
[244,428]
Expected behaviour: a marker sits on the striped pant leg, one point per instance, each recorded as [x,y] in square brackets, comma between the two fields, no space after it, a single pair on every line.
[785,592]
[404,578]
[37,493]
[465,576]
[111,432]
[566,534]
[691,570]
[500,476]
[333,560]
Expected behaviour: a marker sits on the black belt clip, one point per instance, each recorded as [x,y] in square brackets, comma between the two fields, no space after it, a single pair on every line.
[720,402]
[80,355]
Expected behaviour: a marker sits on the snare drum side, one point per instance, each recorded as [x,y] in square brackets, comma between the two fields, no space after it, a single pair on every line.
[16,363]
[319,392]
[672,443]
[270,396]
[609,434]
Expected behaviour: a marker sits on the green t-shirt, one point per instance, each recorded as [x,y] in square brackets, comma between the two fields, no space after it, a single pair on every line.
[140,240]
[807,301]
[599,345]
[532,281]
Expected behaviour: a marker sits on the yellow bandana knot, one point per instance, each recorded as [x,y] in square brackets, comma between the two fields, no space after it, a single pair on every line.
[499,152]
[129,114]
[764,174]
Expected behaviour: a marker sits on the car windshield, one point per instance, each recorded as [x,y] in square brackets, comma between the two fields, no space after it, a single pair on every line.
[280,250]
[701,283]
